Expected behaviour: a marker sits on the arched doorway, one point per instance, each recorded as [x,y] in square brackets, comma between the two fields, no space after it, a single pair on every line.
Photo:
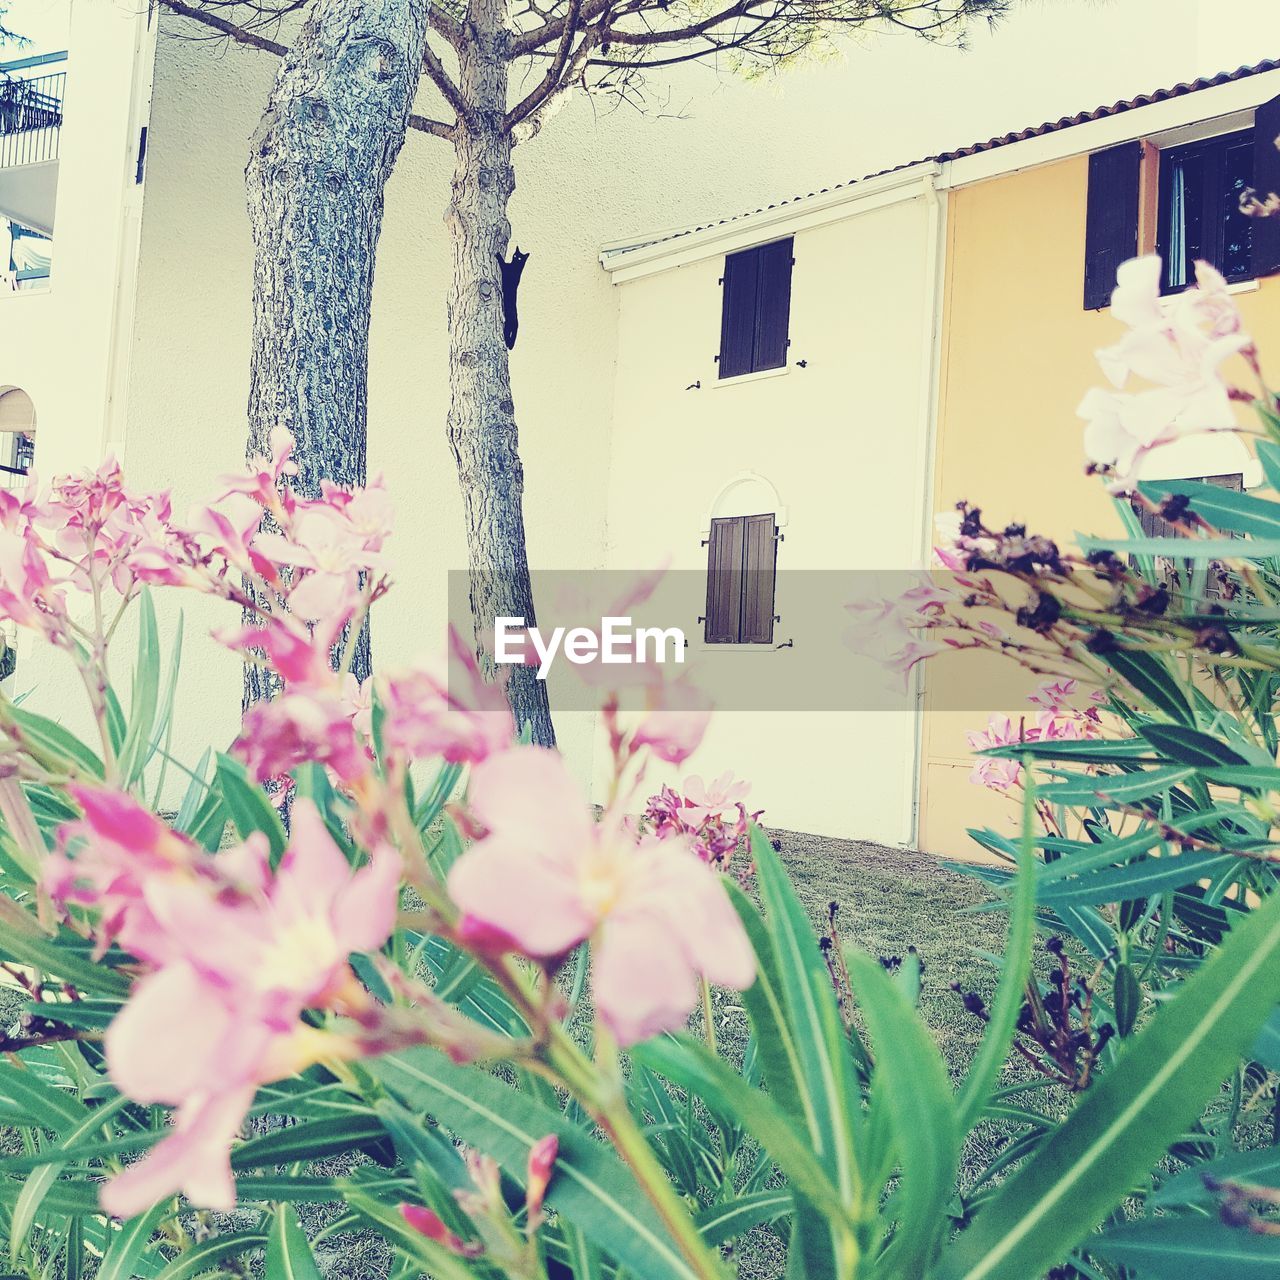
[17,435]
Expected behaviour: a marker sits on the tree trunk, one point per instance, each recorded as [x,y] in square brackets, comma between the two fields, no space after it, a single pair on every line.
[318,167]
[482,425]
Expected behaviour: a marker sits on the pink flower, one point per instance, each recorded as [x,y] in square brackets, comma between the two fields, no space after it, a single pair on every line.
[300,727]
[222,1013]
[428,1223]
[997,774]
[547,876]
[357,703]
[109,858]
[703,800]
[459,716]
[676,722]
[1177,344]
[322,542]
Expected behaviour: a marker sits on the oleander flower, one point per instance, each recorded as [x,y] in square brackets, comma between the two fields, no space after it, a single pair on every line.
[221,1015]
[295,728]
[547,876]
[452,713]
[1178,345]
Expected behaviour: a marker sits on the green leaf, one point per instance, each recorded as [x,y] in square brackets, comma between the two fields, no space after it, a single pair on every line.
[1261,1168]
[289,1255]
[60,959]
[590,1186]
[722,1223]
[1190,746]
[1003,1015]
[311,1141]
[922,1117]
[28,1205]
[1138,879]
[1221,508]
[1198,550]
[825,1065]
[203,1258]
[55,741]
[1115,788]
[130,1241]
[820,1244]
[1125,1123]
[47,1106]
[248,805]
[692,1066]
[1153,679]
[146,693]
[1266,1048]
[1269,457]
[766,1007]
[1128,998]
[1189,1249]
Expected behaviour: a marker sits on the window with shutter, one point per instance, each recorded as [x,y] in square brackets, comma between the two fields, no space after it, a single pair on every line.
[1176,573]
[1200,217]
[742,557]
[1265,249]
[755,309]
[1111,219]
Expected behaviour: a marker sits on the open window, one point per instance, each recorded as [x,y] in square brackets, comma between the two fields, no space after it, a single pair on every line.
[742,555]
[1200,218]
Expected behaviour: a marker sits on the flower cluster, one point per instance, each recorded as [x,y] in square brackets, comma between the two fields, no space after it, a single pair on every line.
[243,963]
[1056,718]
[547,876]
[235,952]
[710,816]
[1178,345]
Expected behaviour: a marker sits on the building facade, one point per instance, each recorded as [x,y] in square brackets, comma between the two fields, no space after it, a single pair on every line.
[942,327]
[843,420]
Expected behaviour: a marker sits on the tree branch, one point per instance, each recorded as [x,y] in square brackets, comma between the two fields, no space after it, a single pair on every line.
[436,128]
[442,80]
[551,81]
[223,26]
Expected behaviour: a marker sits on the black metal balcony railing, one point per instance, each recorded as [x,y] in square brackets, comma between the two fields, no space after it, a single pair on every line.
[30,119]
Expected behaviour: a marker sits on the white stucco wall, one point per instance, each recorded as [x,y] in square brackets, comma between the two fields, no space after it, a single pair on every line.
[842,444]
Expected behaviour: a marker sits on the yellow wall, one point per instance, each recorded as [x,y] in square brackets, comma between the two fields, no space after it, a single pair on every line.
[1018,355]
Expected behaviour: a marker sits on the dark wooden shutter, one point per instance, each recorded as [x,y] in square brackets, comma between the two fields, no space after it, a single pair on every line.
[741,286]
[1111,223]
[1266,182]
[1175,573]
[724,581]
[773,308]
[760,579]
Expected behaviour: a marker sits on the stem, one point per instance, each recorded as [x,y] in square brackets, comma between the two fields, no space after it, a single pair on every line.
[609,1109]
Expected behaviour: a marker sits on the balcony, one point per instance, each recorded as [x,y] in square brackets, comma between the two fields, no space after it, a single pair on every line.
[30,132]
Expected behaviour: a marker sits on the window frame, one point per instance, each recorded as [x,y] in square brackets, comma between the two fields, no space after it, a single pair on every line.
[1212,248]
[766,310]
[748,583]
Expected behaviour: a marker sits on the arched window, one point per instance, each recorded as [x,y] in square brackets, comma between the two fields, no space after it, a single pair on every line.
[17,436]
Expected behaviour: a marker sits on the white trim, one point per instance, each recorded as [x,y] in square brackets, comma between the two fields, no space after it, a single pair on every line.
[1151,120]
[630,258]
[781,512]
[1203,130]
[739,378]
[769,224]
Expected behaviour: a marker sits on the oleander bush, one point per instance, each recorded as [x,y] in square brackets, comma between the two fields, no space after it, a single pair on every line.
[382,935]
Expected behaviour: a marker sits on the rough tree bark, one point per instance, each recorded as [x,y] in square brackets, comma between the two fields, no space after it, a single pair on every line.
[482,424]
[318,167]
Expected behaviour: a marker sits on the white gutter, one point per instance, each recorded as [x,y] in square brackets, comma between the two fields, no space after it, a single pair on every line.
[930,395]
[801,214]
